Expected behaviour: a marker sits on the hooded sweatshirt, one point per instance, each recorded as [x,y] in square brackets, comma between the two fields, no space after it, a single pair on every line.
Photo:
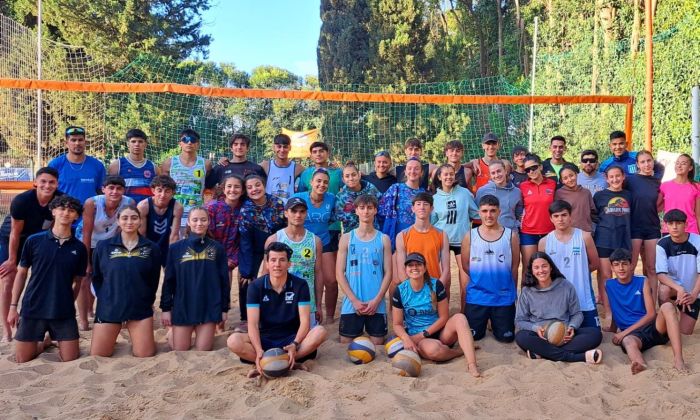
[453,211]
[510,199]
[583,210]
[345,205]
[558,302]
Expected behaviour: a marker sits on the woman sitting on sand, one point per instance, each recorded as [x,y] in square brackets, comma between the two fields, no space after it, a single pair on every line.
[126,272]
[545,297]
[196,292]
[421,318]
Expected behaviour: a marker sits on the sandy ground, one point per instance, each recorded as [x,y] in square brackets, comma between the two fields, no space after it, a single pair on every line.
[213,385]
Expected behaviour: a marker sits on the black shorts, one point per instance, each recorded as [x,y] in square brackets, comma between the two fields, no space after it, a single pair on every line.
[333,243]
[354,325]
[35,329]
[604,252]
[99,320]
[649,336]
[693,311]
[502,321]
[645,234]
[457,249]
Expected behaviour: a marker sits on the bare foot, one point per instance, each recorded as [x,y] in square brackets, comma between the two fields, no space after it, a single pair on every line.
[473,370]
[253,374]
[638,367]
[609,328]
[6,339]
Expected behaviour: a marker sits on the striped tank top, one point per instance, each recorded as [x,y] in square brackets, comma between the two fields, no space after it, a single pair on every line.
[138,178]
[303,260]
[572,260]
[190,184]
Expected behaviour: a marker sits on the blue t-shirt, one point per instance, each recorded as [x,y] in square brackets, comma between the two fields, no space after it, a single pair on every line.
[419,312]
[626,301]
[319,219]
[79,180]
[279,312]
[54,266]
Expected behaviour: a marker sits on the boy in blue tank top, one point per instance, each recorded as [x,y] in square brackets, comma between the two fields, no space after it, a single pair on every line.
[162,214]
[137,171]
[640,326]
[363,271]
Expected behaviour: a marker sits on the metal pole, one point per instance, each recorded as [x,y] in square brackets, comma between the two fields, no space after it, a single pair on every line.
[532,86]
[39,108]
[648,45]
[695,122]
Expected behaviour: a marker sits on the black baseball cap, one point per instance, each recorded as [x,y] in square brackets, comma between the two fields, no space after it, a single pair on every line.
[414,257]
[295,201]
[489,138]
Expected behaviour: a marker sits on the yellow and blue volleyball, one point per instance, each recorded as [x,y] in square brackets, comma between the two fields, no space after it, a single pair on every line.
[393,346]
[407,363]
[361,350]
[275,363]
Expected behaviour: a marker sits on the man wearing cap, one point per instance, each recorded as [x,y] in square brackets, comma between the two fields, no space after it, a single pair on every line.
[189,172]
[306,252]
[518,174]
[79,175]
[278,306]
[552,165]
[381,177]
[281,171]
[490,144]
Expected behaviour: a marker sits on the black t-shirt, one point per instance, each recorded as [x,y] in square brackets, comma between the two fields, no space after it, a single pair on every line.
[518,177]
[400,169]
[382,184]
[279,312]
[49,293]
[26,207]
[614,218]
[645,191]
[242,169]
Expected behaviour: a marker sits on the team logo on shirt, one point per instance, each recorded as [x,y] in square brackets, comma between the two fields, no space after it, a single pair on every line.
[208,253]
[266,299]
[143,252]
[160,227]
[288,297]
[617,206]
[147,173]
[575,251]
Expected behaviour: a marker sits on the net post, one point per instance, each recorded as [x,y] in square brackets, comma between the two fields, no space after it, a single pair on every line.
[39,110]
[629,116]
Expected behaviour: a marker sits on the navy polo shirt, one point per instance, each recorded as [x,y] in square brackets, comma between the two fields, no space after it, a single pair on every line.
[49,292]
[279,312]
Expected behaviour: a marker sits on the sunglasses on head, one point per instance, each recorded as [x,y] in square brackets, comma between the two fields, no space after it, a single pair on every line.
[589,160]
[189,139]
[531,168]
[75,130]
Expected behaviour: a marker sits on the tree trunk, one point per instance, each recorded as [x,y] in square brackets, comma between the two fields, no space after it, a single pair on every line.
[595,50]
[636,29]
[499,14]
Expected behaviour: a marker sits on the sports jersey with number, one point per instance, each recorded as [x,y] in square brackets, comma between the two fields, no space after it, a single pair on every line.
[303,260]
[572,260]
[190,184]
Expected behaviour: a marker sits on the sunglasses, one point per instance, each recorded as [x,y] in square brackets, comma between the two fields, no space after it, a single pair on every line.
[75,130]
[532,168]
[383,153]
[590,160]
[189,139]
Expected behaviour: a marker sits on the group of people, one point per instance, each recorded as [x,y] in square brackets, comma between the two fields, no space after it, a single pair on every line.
[297,235]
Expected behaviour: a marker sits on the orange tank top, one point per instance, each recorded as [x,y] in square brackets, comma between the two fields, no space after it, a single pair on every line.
[429,244]
[483,178]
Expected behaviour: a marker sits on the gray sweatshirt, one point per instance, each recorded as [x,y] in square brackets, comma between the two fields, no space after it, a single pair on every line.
[558,302]
[511,202]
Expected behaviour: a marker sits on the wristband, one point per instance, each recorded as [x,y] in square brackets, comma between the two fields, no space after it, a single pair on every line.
[13,304]
[296,345]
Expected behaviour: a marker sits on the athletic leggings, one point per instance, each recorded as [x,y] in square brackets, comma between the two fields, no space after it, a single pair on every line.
[585,338]
[243,289]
